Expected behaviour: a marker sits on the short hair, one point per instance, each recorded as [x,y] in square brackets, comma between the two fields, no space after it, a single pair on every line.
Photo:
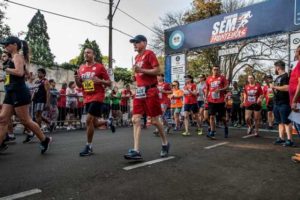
[42,70]
[177,82]
[51,81]
[71,83]
[280,63]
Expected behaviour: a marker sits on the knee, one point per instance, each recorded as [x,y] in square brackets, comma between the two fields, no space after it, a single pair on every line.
[25,121]
[154,121]
[136,120]
[89,120]
[3,120]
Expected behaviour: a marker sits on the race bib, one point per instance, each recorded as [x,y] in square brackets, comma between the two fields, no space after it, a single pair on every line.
[140,93]
[186,92]
[88,86]
[252,99]
[7,79]
[215,95]
[214,84]
[173,101]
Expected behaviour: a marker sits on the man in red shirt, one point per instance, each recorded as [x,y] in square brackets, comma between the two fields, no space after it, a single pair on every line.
[93,78]
[216,86]
[125,104]
[146,99]
[165,102]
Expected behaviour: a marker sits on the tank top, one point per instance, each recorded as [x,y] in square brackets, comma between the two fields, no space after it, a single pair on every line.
[40,95]
[13,82]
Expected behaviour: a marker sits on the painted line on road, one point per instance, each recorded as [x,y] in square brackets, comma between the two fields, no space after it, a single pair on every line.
[216,145]
[147,163]
[22,194]
[248,136]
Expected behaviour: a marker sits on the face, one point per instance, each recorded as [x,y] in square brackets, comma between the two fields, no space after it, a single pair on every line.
[235,84]
[174,85]
[250,79]
[216,70]
[40,74]
[139,46]
[160,78]
[53,84]
[297,53]
[188,80]
[88,55]
[4,57]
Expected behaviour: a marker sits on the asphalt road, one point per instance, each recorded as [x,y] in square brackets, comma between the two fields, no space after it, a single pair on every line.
[251,168]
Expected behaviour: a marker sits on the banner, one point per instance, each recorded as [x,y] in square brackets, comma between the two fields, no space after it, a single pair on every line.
[270,17]
[178,66]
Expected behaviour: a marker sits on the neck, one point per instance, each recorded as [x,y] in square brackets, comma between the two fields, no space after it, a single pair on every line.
[280,72]
[90,62]
[141,51]
[252,83]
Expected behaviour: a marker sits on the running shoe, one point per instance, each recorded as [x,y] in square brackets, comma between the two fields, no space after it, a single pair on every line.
[279,141]
[211,135]
[111,125]
[165,150]
[249,130]
[226,132]
[133,155]
[28,138]
[200,131]
[44,145]
[9,138]
[288,143]
[87,151]
[3,147]
[186,133]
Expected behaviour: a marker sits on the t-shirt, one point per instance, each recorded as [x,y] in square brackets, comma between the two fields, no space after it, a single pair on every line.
[190,98]
[115,100]
[236,96]
[107,98]
[146,60]
[164,99]
[91,91]
[177,101]
[200,89]
[281,97]
[80,103]
[71,98]
[252,93]
[53,96]
[293,83]
[62,98]
[125,100]
[214,83]
[268,94]
[228,100]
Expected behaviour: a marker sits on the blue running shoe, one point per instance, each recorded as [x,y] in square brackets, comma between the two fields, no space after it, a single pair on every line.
[87,151]
[289,143]
[133,155]
[226,132]
[165,150]
[211,135]
[279,141]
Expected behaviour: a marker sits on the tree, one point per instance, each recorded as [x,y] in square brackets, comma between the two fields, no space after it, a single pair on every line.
[38,40]
[123,74]
[4,28]
[93,45]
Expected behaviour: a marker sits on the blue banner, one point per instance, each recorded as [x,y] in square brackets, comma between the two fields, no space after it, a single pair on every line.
[270,17]
[168,69]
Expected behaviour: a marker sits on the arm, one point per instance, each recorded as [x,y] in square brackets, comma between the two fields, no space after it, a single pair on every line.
[153,72]
[283,88]
[297,96]
[19,66]
[47,88]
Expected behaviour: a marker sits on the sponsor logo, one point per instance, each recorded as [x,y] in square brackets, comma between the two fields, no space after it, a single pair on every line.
[231,27]
[176,40]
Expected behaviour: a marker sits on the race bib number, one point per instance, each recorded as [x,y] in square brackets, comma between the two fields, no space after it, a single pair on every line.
[7,79]
[215,95]
[173,101]
[140,93]
[215,84]
[252,99]
[88,86]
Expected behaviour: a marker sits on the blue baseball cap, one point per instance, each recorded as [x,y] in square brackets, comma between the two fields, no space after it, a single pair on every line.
[138,38]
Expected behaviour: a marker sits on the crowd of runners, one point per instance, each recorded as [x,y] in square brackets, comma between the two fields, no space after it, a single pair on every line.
[199,106]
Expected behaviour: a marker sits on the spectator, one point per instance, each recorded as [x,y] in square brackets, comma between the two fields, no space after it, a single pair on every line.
[71,105]
[61,104]
[53,112]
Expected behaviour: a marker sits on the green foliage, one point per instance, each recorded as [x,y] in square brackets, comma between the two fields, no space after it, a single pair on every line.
[93,45]
[259,76]
[4,28]
[38,40]
[68,66]
[123,74]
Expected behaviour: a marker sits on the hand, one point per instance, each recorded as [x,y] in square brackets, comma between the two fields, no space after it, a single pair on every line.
[294,107]
[217,90]
[96,79]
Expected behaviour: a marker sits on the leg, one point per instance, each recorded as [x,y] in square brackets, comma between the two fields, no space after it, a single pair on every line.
[257,121]
[159,126]
[136,120]
[5,116]
[186,121]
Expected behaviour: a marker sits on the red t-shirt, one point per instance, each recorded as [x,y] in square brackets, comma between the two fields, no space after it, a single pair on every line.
[164,99]
[91,91]
[62,100]
[294,77]
[252,93]
[189,98]
[79,98]
[125,100]
[268,93]
[147,60]
[214,83]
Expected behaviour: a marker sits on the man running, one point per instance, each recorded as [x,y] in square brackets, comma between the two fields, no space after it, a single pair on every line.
[93,78]
[216,86]
[146,99]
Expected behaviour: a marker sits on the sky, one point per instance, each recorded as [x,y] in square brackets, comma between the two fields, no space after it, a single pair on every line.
[66,35]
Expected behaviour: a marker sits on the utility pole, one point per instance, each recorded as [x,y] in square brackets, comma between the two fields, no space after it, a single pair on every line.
[110,18]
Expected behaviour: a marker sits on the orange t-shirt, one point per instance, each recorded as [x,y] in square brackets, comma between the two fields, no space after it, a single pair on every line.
[177,102]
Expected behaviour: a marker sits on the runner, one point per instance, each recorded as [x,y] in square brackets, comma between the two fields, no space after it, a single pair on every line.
[17,97]
[146,99]
[125,104]
[176,103]
[236,105]
[165,103]
[269,95]
[62,103]
[216,86]
[93,78]
[252,101]
[53,111]
[201,96]
[228,105]
[190,105]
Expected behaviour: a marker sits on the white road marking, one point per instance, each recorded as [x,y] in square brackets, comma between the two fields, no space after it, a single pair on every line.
[248,136]
[147,163]
[22,194]
[216,145]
